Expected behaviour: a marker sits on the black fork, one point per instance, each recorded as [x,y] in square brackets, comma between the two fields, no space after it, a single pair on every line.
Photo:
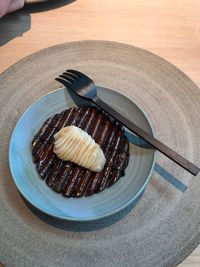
[84,87]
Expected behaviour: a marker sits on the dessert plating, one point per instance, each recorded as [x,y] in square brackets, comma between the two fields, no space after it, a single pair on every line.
[68,178]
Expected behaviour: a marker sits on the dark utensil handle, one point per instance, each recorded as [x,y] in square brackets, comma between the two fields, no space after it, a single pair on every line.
[187,165]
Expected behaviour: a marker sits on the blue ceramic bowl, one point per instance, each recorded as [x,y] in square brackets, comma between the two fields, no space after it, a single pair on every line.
[127,190]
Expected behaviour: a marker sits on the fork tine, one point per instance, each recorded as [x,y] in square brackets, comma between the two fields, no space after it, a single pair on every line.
[64,82]
[73,76]
[66,77]
[78,73]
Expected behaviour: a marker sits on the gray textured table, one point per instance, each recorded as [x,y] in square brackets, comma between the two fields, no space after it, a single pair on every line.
[164,227]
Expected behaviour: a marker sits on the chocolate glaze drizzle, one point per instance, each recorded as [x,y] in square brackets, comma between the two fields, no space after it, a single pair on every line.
[68,178]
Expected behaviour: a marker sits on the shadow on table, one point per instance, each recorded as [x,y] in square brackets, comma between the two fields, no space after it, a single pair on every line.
[105,222]
[108,221]
[82,226]
[16,24]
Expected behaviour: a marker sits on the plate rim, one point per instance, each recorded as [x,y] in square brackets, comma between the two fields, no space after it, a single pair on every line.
[83,219]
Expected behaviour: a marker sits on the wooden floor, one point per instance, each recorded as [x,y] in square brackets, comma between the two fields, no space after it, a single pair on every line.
[169,28]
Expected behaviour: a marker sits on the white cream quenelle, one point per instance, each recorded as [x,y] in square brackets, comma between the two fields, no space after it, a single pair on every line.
[75,145]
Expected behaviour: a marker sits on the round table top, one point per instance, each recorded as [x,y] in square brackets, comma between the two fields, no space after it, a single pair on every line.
[164,225]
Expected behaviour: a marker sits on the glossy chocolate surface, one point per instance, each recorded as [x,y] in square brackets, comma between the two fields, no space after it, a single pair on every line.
[68,178]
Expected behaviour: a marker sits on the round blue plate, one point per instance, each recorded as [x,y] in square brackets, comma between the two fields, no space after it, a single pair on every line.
[125,191]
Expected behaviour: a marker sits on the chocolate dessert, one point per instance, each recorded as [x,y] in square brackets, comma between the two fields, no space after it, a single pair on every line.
[68,178]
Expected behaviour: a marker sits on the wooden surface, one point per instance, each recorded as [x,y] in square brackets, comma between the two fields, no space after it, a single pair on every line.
[169,28]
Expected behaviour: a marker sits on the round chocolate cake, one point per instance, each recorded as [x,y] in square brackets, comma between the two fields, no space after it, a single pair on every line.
[68,178]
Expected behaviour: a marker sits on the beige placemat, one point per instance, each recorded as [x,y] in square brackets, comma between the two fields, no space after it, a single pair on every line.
[164,227]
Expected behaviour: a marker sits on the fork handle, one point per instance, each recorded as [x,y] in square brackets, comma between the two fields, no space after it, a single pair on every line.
[171,154]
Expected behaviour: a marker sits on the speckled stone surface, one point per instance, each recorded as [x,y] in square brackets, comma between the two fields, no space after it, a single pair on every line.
[164,227]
